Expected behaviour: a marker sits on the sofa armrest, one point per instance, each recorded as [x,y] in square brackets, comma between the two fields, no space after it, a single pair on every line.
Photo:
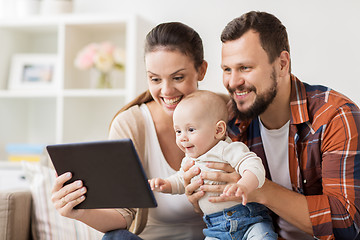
[15,214]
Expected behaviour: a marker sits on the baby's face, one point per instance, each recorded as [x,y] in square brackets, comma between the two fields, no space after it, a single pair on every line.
[195,132]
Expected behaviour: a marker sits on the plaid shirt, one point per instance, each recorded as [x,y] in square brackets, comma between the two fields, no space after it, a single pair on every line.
[324,156]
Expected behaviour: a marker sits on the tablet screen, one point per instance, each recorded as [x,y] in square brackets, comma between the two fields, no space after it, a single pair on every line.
[110,170]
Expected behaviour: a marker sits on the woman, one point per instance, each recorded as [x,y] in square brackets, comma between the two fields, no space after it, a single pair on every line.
[174,65]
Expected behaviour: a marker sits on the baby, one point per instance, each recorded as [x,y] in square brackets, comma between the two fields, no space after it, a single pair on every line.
[200,125]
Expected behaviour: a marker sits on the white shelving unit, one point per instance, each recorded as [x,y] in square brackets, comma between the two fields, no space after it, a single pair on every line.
[73,111]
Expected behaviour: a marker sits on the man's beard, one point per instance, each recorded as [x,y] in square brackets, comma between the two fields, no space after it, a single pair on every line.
[261,101]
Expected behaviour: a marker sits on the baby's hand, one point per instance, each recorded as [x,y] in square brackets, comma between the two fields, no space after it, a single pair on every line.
[160,185]
[236,190]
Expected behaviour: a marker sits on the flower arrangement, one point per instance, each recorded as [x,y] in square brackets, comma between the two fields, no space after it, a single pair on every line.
[102,56]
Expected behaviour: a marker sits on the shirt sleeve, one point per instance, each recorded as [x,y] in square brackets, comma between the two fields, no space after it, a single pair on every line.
[334,213]
[128,124]
[241,158]
[177,180]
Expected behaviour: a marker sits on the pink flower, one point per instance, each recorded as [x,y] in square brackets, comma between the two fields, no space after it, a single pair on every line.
[85,58]
[100,56]
[106,48]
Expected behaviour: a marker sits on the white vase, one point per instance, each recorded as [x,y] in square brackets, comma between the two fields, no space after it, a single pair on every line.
[7,8]
[26,8]
[51,7]
[113,79]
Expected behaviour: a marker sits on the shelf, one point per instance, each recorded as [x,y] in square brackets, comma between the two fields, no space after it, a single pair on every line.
[73,110]
[34,21]
[66,93]
[95,93]
[5,164]
[27,94]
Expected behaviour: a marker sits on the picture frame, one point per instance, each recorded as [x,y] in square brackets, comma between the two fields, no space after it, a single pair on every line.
[33,71]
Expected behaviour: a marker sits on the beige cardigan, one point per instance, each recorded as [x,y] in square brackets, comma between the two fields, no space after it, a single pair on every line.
[131,124]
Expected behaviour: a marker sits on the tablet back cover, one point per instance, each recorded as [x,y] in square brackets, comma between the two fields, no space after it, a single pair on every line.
[110,170]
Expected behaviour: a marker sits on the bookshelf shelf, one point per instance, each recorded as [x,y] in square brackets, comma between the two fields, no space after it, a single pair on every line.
[73,111]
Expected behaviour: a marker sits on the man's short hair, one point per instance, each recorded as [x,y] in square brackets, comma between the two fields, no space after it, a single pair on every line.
[272,33]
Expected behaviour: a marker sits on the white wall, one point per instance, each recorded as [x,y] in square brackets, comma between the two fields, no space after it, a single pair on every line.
[324,34]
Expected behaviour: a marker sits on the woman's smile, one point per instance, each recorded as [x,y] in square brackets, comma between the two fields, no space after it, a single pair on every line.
[172,101]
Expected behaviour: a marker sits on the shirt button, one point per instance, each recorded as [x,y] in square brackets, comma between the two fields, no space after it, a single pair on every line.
[304,181]
[229,214]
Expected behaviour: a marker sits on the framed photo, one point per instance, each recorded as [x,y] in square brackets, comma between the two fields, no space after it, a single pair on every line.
[33,71]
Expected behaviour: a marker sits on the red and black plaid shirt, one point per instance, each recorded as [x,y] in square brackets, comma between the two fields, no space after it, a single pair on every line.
[324,156]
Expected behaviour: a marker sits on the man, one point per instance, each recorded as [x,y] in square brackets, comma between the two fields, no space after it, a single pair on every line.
[307,136]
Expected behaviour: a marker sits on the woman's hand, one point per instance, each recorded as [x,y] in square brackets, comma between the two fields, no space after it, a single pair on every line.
[65,198]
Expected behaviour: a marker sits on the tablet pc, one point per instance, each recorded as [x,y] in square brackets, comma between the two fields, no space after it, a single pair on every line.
[110,170]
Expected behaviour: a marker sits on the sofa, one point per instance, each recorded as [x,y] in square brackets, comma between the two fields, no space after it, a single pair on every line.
[15,214]
[29,214]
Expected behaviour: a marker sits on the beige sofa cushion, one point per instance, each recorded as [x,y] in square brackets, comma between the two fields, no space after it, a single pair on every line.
[47,223]
[15,211]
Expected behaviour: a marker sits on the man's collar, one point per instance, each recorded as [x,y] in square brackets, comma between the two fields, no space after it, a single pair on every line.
[298,102]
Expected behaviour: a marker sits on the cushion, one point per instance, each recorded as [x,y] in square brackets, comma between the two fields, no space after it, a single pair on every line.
[15,208]
[47,223]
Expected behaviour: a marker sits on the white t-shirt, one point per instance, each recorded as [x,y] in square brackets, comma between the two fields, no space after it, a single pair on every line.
[275,144]
[174,218]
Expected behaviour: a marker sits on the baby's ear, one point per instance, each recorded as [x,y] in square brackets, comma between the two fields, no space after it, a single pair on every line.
[220,129]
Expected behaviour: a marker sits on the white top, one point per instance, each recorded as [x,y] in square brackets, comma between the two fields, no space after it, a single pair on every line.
[275,144]
[174,218]
[235,153]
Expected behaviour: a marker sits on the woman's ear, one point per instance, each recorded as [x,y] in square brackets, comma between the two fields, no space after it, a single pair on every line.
[220,129]
[202,70]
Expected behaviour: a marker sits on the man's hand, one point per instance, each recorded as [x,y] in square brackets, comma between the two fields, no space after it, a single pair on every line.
[228,176]
[191,171]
